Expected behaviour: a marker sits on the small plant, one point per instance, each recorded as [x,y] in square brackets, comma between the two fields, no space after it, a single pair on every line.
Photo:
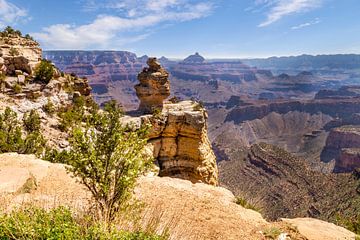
[49,107]
[156,112]
[272,233]
[13,52]
[44,71]
[17,88]
[27,36]
[244,203]
[32,121]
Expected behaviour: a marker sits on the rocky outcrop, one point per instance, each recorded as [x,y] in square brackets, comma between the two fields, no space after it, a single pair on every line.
[180,143]
[18,53]
[343,145]
[341,93]
[173,202]
[154,86]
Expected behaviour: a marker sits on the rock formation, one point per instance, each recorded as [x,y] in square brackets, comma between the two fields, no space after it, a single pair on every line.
[180,143]
[154,86]
[18,53]
[343,144]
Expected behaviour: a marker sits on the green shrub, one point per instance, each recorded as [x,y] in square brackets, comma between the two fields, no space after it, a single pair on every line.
[272,233]
[32,121]
[17,88]
[12,138]
[60,223]
[244,203]
[69,117]
[44,71]
[108,158]
[49,107]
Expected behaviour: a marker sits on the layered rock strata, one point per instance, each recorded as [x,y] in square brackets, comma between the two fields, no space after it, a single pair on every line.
[154,86]
[180,143]
[343,145]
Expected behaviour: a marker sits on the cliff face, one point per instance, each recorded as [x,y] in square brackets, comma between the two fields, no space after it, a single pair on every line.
[343,145]
[17,53]
[180,143]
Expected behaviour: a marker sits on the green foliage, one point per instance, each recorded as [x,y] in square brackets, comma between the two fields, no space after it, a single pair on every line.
[353,223]
[2,77]
[12,138]
[108,158]
[17,88]
[44,71]
[70,116]
[14,52]
[49,107]
[32,121]
[272,233]
[244,203]
[60,223]
[27,36]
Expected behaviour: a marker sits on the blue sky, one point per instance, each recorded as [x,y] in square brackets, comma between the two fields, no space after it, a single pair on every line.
[177,28]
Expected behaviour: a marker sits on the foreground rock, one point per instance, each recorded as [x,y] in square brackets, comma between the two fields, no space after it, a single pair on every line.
[191,211]
[154,86]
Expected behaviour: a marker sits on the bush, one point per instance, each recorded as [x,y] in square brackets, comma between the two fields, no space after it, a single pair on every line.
[60,223]
[17,88]
[11,135]
[32,121]
[44,71]
[108,158]
[49,107]
[244,203]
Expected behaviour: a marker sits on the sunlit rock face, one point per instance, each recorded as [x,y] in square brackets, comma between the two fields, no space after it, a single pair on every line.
[154,86]
[18,53]
[180,144]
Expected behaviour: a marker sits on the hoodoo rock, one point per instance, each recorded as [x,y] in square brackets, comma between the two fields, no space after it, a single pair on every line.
[154,86]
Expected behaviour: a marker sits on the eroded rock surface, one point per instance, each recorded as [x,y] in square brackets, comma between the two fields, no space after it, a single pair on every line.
[180,142]
[154,86]
[18,53]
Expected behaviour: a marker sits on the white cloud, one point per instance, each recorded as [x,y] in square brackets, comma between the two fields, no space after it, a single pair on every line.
[132,23]
[281,8]
[10,13]
[307,24]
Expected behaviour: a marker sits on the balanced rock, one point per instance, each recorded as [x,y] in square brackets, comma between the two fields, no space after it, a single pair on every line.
[154,86]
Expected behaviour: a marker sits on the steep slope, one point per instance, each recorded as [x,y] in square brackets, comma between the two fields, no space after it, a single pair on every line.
[283,185]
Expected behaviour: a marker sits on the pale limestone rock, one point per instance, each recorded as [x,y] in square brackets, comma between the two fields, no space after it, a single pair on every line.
[154,86]
[28,54]
[315,229]
[21,79]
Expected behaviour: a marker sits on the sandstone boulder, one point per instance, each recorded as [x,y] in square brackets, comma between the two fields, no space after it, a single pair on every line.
[154,86]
